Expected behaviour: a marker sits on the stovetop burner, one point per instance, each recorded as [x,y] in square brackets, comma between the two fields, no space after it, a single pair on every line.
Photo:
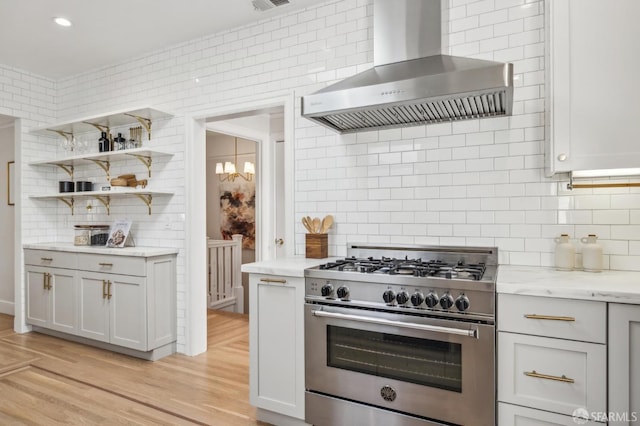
[410,267]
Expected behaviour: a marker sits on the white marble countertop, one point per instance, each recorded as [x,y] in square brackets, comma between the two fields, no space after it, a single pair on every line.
[124,251]
[605,286]
[288,266]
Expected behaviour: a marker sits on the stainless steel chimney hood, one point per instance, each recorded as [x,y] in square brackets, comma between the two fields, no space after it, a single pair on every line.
[411,82]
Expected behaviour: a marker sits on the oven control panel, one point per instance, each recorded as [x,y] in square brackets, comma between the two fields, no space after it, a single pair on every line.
[418,299]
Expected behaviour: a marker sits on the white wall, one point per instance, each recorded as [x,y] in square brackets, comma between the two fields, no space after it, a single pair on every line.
[7,219]
[478,182]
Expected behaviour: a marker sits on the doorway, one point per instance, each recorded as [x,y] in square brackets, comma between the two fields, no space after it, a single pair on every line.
[266,122]
[231,202]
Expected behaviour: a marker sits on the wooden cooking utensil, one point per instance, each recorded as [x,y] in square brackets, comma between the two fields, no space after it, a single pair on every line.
[306,224]
[316,225]
[327,221]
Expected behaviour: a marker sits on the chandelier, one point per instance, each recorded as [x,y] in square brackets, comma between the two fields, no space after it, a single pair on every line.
[229,169]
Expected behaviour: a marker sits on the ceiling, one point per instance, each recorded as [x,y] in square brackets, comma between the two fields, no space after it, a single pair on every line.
[110,32]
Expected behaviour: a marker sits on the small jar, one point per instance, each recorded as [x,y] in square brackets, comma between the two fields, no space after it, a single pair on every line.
[99,235]
[82,235]
[564,253]
[591,253]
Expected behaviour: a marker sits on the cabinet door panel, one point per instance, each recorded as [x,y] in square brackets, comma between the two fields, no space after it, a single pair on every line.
[276,335]
[37,297]
[94,307]
[64,306]
[624,363]
[530,369]
[127,324]
[515,415]
[593,84]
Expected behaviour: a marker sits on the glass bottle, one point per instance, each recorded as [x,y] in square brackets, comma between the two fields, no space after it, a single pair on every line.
[119,142]
[103,143]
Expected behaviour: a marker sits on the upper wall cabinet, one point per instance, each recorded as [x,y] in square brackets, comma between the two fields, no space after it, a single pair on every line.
[593,87]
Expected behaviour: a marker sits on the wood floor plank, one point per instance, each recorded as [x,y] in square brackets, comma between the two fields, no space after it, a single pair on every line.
[211,388]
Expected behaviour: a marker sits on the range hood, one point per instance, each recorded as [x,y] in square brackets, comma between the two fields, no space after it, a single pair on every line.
[411,82]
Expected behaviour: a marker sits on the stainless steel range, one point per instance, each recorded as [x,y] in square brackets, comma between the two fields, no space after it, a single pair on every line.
[402,335]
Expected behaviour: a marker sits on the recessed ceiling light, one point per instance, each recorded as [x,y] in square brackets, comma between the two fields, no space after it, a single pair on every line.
[63,22]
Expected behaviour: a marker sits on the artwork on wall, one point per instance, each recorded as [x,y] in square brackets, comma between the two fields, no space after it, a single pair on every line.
[238,211]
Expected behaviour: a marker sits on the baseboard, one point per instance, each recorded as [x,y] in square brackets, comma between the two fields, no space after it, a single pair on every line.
[7,307]
[152,355]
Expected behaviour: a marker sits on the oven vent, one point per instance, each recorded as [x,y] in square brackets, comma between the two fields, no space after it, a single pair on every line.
[263,5]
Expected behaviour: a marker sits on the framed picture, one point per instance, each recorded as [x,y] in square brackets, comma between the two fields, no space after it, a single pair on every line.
[10,182]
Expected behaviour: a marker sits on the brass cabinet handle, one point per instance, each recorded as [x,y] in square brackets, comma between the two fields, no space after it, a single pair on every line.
[46,259]
[562,378]
[273,280]
[109,290]
[106,264]
[549,317]
[49,281]
[104,289]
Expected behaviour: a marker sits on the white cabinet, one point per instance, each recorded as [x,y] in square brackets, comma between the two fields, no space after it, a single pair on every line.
[113,309]
[592,84]
[552,357]
[276,332]
[124,301]
[624,363]
[51,298]
[515,415]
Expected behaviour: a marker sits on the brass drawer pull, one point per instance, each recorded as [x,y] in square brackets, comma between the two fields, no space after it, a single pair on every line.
[562,378]
[106,264]
[47,259]
[273,280]
[549,317]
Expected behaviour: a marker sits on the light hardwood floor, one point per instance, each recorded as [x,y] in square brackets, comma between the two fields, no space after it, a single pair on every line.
[49,381]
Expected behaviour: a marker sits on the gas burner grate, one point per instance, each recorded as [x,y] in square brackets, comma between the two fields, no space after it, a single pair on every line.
[409,267]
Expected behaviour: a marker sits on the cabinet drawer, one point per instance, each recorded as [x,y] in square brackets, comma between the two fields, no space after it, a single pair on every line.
[551,374]
[514,415]
[54,259]
[552,317]
[123,265]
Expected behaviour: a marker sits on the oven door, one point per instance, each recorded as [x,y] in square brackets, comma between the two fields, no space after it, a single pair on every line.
[442,370]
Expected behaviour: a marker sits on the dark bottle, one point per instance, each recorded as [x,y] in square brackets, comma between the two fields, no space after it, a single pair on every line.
[103,142]
[119,142]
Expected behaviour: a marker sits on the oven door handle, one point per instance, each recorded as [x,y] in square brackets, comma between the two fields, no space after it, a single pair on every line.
[382,321]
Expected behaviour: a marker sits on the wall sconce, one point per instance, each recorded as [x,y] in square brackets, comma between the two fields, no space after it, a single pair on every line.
[229,169]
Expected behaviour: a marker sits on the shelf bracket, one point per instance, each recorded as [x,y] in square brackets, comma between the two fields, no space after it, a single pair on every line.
[104,165]
[106,202]
[144,159]
[146,122]
[100,127]
[69,202]
[67,135]
[68,169]
[146,198]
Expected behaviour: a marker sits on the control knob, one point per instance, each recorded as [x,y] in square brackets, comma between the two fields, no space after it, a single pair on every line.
[326,290]
[446,301]
[402,297]
[343,292]
[417,298]
[432,299]
[462,303]
[388,296]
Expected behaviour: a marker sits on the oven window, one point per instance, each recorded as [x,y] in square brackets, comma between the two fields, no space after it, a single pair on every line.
[422,361]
